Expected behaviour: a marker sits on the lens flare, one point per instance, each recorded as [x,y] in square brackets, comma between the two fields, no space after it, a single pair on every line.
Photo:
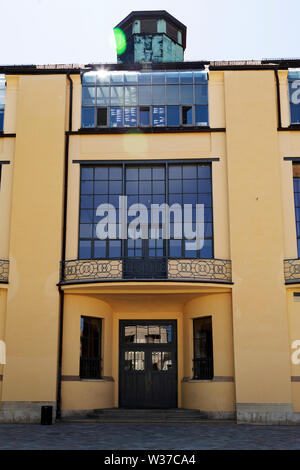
[120,39]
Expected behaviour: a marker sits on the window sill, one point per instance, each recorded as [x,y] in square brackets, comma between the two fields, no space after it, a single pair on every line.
[144,130]
[103,379]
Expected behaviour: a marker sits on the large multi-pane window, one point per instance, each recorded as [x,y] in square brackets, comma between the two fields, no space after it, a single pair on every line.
[144,99]
[296,178]
[90,348]
[2,101]
[203,349]
[294,95]
[171,183]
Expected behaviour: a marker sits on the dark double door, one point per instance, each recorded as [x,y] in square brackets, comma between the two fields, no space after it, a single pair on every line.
[148,364]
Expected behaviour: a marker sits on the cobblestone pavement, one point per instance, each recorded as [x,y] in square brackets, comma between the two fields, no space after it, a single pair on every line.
[150,436]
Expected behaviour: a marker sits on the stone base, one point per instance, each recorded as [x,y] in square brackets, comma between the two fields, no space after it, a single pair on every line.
[266,413]
[218,415]
[24,411]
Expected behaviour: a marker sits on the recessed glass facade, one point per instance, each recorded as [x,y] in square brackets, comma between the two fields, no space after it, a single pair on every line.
[144,99]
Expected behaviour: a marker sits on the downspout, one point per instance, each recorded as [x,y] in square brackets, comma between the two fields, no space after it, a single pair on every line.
[278,98]
[63,254]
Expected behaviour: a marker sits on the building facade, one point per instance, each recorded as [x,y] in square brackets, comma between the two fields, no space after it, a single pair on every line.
[90,322]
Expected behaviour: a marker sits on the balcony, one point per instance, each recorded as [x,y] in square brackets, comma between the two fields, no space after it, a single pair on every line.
[4,268]
[145,269]
[292,271]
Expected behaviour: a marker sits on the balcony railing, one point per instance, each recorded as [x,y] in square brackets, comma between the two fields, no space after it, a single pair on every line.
[292,270]
[201,270]
[4,268]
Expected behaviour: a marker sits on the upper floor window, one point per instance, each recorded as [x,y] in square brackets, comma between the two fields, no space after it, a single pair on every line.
[181,186]
[294,95]
[2,101]
[144,99]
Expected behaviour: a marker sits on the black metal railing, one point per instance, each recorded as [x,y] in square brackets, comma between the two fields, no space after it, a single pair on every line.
[292,270]
[206,270]
[90,368]
[4,269]
[203,369]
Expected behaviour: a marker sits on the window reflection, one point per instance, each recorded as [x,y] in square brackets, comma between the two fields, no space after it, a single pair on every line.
[148,334]
[161,360]
[134,360]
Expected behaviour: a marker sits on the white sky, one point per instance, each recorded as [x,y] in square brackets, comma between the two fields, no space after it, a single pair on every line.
[80,31]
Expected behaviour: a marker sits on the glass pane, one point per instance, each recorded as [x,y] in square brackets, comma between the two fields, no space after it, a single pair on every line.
[117,78]
[88,96]
[145,116]
[139,360]
[158,78]
[117,95]
[158,116]
[176,248]
[186,77]
[142,332]
[201,115]
[173,117]
[102,78]
[204,171]
[129,360]
[200,77]
[100,249]
[130,117]
[103,95]
[144,78]
[89,78]
[130,77]
[2,121]
[87,187]
[116,117]
[153,334]
[101,173]
[172,77]
[156,360]
[166,334]
[172,94]
[102,117]
[187,96]
[130,95]
[88,117]
[201,96]
[85,249]
[166,361]
[130,334]
[114,249]
[145,96]
[187,115]
[158,94]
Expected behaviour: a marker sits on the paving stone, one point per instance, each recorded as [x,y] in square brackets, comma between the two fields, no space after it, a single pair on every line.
[148,437]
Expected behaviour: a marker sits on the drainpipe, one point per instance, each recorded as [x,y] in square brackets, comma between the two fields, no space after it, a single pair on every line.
[63,254]
[278,98]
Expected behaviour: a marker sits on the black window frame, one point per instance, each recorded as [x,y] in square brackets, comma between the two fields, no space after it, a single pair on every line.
[166,164]
[90,367]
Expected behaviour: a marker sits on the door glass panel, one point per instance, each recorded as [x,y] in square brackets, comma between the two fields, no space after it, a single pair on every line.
[142,332]
[139,360]
[153,334]
[156,360]
[161,360]
[166,334]
[134,360]
[130,334]
[166,362]
[129,360]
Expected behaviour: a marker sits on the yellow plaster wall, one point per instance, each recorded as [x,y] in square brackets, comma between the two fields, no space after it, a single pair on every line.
[261,346]
[35,242]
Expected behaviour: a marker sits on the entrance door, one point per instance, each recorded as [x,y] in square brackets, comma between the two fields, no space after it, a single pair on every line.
[148,364]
